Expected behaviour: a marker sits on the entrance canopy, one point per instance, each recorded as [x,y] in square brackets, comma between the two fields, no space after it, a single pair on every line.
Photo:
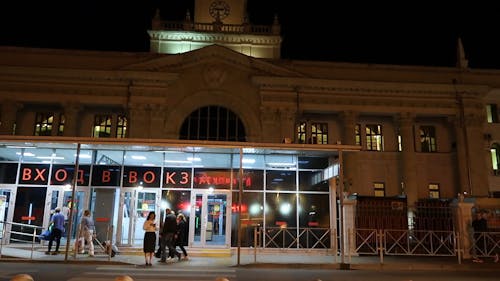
[171,153]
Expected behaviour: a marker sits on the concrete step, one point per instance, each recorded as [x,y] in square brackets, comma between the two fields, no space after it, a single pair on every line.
[195,252]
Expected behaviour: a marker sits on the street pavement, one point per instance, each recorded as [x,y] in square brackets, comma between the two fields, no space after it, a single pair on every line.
[266,259]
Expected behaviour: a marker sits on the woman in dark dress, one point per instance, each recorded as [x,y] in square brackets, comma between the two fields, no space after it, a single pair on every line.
[149,237]
[181,233]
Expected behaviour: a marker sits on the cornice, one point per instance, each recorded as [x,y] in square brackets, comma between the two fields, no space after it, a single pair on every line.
[368,88]
[37,74]
[209,38]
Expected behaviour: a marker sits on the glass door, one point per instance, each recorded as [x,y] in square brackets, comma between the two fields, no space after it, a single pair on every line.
[209,227]
[135,204]
[6,211]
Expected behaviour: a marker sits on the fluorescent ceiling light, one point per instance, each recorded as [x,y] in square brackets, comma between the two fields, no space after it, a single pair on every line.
[280,164]
[194,159]
[138,157]
[178,161]
[248,160]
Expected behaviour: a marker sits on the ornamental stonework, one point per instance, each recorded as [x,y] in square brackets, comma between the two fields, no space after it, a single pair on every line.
[214,75]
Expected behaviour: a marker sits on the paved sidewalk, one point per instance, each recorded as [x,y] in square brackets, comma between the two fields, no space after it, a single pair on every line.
[269,259]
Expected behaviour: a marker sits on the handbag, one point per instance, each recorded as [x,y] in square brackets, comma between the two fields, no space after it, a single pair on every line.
[45,235]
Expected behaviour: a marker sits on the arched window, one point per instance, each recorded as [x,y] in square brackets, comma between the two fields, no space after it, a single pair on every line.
[213,123]
[495,158]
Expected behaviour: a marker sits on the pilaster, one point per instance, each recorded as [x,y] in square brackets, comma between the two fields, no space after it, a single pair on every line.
[408,159]
[9,116]
[72,112]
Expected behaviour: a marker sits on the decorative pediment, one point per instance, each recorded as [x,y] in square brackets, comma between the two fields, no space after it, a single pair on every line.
[214,54]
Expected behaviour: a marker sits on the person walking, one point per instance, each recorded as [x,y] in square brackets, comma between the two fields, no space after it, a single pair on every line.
[149,237]
[167,237]
[57,223]
[87,228]
[479,225]
[181,234]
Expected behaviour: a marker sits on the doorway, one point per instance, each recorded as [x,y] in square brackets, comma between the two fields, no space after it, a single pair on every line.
[209,226]
[6,210]
[135,205]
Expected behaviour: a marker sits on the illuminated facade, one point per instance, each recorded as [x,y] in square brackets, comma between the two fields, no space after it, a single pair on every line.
[424,132]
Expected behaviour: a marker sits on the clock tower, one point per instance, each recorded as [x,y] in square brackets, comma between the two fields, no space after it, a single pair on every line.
[227,11]
[221,22]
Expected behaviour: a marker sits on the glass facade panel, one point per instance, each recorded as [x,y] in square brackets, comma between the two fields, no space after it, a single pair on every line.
[312,181]
[281,210]
[281,180]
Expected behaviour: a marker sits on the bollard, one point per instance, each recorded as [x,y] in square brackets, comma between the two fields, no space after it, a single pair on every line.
[22,277]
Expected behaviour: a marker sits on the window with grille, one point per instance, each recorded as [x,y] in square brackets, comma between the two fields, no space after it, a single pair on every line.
[434,190]
[102,126]
[491,113]
[213,123]
[313,133]
[379,189]
[428,138]
[121,127]
[319,133]
[301,132]
[43,123]
[374,137]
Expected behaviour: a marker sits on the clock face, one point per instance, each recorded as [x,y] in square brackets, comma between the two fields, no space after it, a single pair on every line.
[219,9]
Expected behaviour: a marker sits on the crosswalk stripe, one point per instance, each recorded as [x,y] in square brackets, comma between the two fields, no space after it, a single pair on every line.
[164,269]
[170,274]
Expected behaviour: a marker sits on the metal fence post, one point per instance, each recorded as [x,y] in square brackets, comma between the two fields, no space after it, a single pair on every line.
[3,238]
[33,242]
[380,245]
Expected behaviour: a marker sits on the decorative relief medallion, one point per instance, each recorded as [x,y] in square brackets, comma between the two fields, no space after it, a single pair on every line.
[214,75]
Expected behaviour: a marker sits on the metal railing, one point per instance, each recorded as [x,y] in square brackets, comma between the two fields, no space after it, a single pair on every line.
[33,234]
[485,244]
[293,237]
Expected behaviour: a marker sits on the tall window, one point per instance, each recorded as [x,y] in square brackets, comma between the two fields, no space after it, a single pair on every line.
[400,143]
[102,126]
[319,133]
[314,133]
[428,138]
[374,137]
[495,158]
[213,123]
[357,134]
[379,189]
[491,113]
[301,132]
[434,190]
[62,121]
[121,127]
[43,123]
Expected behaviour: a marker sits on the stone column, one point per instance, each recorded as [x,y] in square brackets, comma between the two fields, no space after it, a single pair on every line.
[349,226]
[462,169]
[349,120]
[139,117]
[479,171]
[408,159]
[72,119]
[463,227]
[9,115]
[333,214]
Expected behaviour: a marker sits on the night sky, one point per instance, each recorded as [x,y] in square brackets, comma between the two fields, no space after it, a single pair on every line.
[403,32]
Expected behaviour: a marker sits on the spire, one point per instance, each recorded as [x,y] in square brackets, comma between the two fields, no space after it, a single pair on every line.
[462,62]
[156,21]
